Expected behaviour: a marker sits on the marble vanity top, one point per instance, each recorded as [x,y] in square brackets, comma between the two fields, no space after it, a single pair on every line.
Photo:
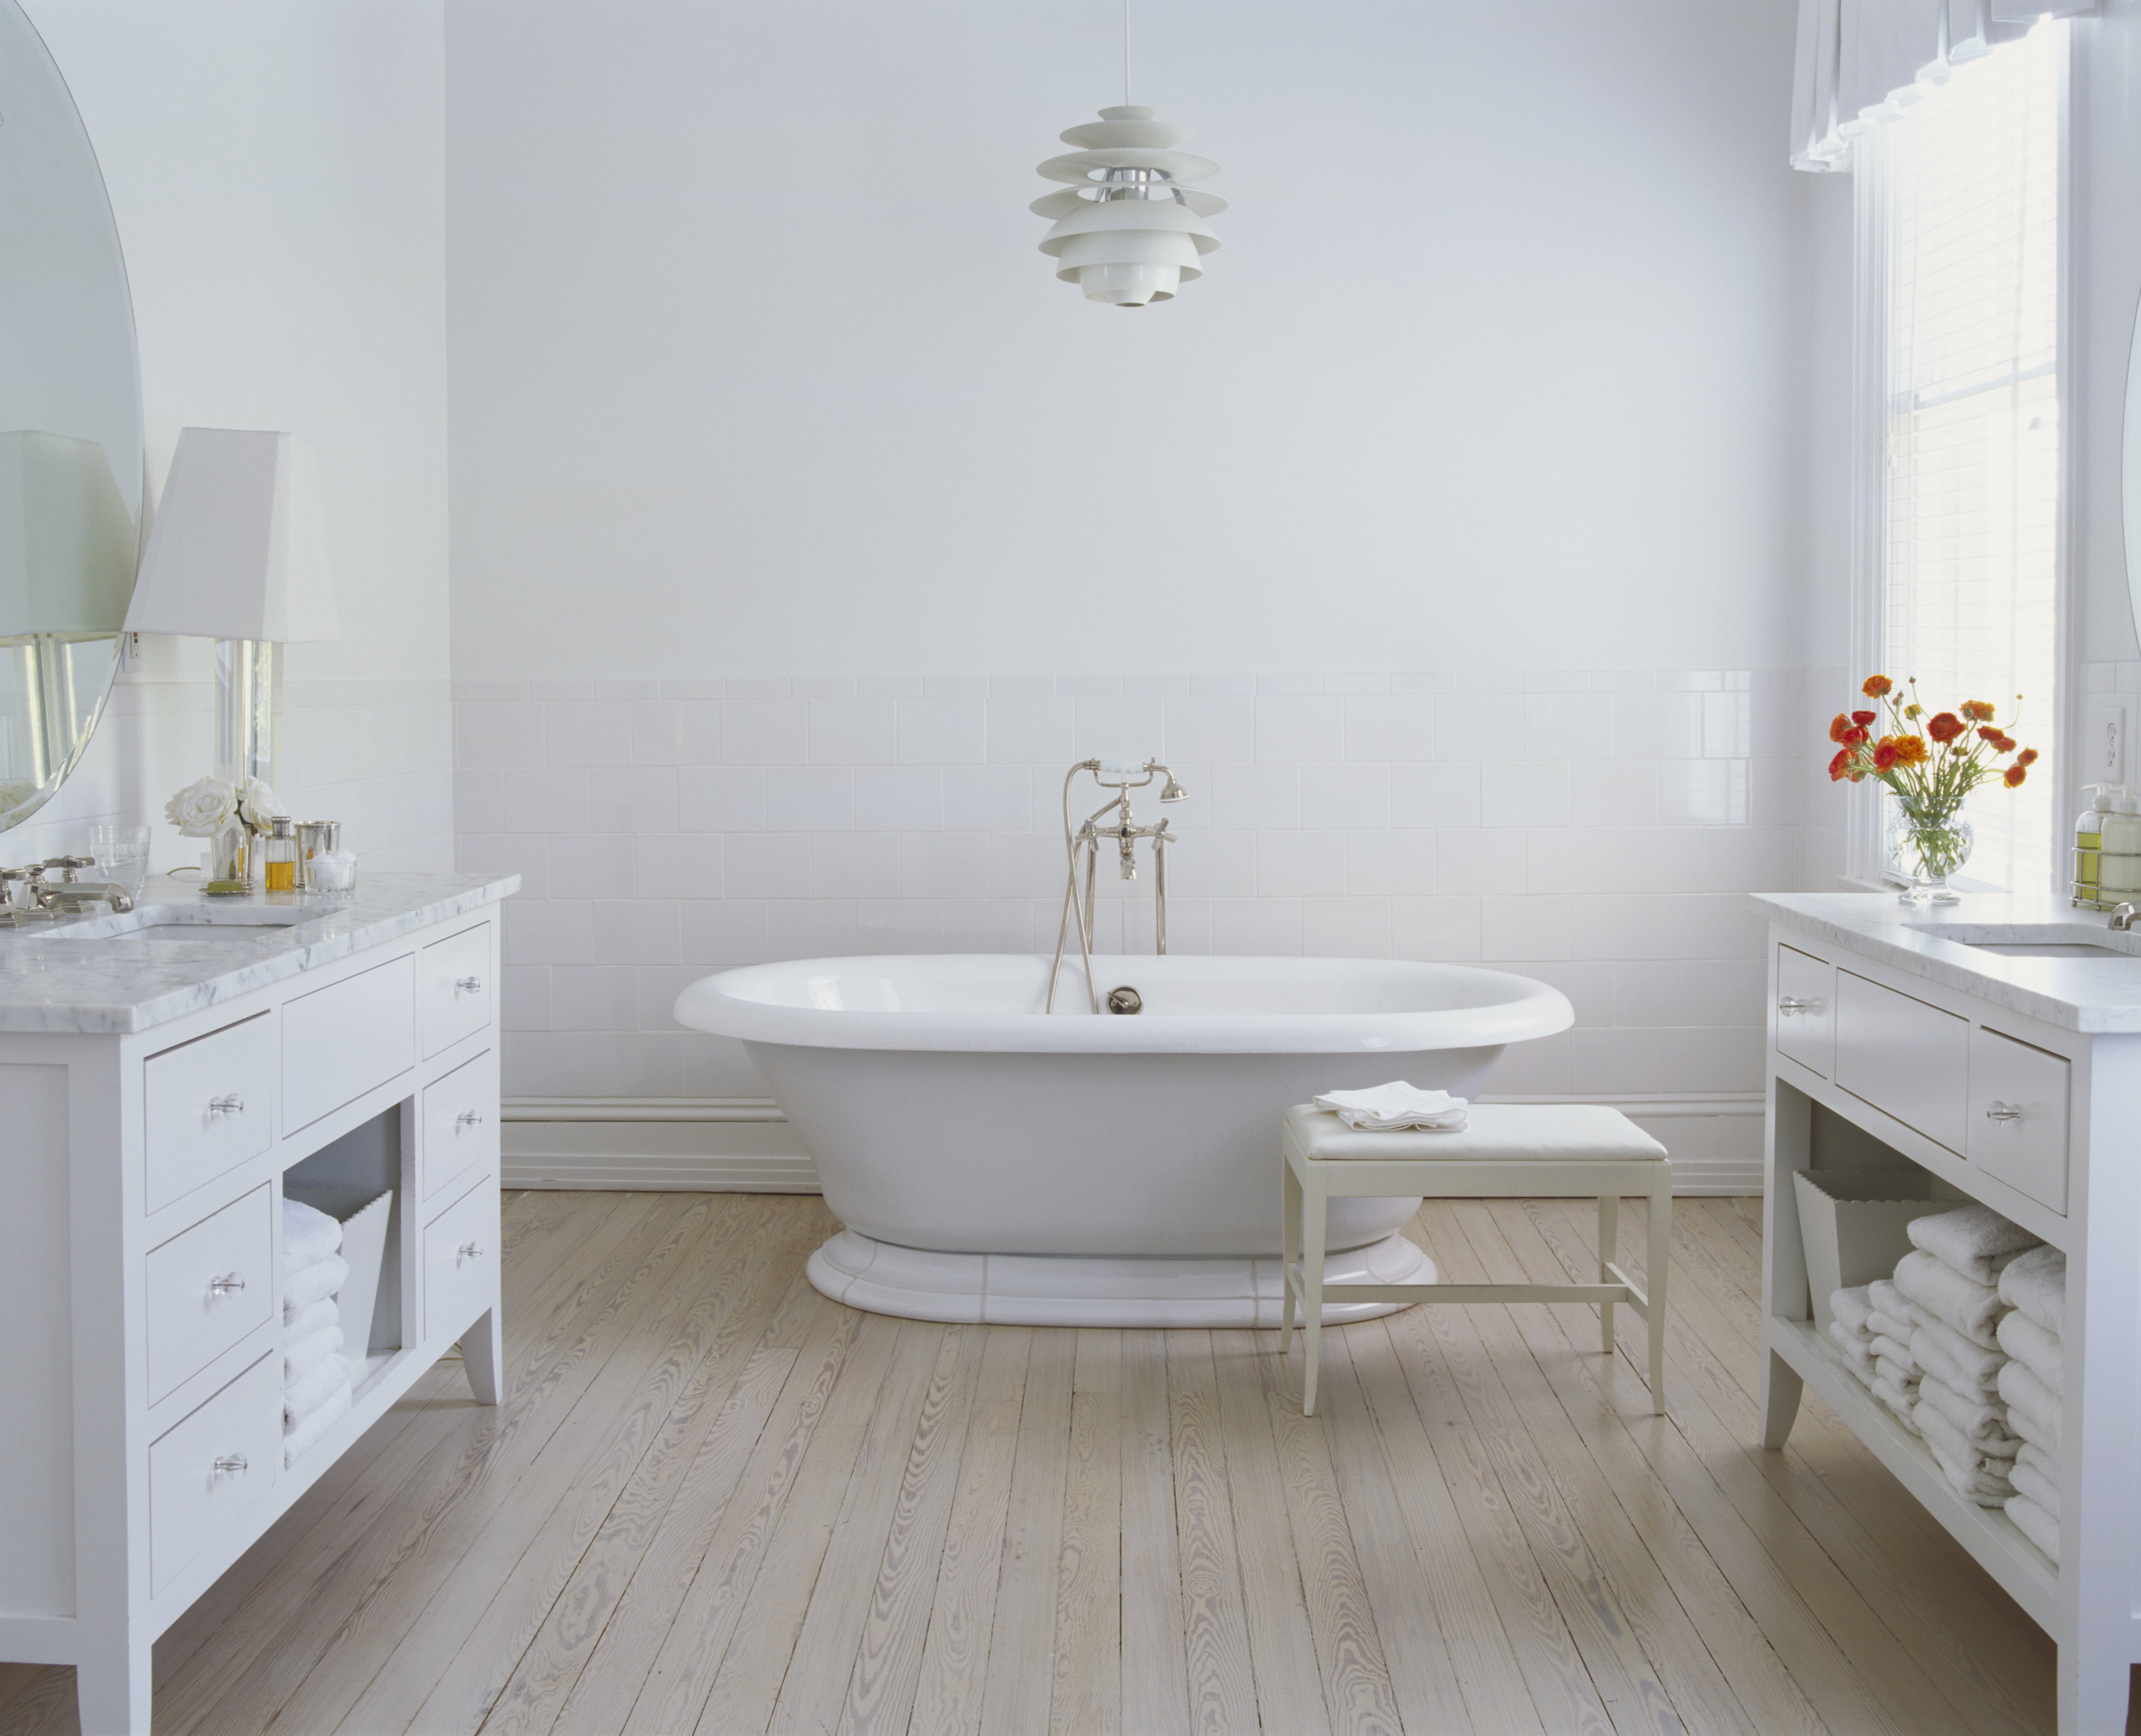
[2082,994]
[94,975]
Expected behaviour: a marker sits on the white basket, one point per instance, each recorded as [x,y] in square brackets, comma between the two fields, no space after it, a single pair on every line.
[365,1227]
[1854,1224]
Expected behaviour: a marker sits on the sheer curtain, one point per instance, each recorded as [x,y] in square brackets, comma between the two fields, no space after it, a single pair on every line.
[1971,494]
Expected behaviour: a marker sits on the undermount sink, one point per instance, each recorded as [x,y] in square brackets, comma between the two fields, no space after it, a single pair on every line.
[201,921]
[2035,940]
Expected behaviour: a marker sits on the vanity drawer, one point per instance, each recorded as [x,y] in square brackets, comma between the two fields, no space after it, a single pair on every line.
[1904,1057]
[211,1468]
[206,1107]
[2018,1116]
[206,1288]
[340,1042]
[455,977]
[460,1259]
[1806,1010]
[460,1123]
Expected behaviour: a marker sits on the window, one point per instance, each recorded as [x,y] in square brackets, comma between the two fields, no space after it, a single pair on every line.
[1971,441]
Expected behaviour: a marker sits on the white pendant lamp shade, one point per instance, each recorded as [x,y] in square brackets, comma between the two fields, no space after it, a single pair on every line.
[239,546]
[1128,231]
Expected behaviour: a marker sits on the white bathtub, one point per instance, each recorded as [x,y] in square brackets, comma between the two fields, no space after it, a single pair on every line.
[993,1162]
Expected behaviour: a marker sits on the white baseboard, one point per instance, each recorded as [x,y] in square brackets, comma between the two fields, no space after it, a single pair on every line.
[745,1144]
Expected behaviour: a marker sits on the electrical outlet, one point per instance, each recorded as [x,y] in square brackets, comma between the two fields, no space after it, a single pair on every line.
[2105,760]
[130,653]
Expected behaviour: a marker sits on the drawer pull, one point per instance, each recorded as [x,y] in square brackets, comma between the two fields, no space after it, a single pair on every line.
[230,1283]
[468,1118]
[1793,1003]
[231,1103]
[2004,1111]
[469,1251]
[468,985]
[232,1464]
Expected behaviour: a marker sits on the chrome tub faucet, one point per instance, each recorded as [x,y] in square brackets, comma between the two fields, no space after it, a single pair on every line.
[1081,849]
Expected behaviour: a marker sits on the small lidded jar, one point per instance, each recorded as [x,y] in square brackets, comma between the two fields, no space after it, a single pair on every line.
[278,855]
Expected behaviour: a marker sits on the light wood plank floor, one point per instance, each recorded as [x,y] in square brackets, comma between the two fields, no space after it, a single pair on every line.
[715,1502]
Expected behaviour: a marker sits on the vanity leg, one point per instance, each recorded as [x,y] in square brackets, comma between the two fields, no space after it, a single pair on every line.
[481,1355]
[112,1695]
[1780,1400]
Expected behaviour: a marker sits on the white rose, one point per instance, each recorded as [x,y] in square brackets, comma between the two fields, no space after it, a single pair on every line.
[203,808]
[258,804]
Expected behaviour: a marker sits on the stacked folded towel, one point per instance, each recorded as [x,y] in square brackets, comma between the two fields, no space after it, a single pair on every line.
[2033,1382]
[1950,1283]
[1850,1311]
[1896,1371]
[1387,1108]
[316,1390]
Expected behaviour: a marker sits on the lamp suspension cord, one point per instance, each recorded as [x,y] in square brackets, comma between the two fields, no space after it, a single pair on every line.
[1126,53]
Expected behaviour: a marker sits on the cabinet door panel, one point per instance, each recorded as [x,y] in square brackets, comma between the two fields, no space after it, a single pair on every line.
[456,980]
[2018,1116]
[340,1042]
[206,1288]
[1806,1010]
[210,1469]
[206,1104]
[1902,1056]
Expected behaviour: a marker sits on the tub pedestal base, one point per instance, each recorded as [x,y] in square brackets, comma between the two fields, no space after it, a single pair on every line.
[1093,1290]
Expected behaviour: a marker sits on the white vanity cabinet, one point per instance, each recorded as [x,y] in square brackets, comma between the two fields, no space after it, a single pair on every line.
[1903,1036]
[156,1093]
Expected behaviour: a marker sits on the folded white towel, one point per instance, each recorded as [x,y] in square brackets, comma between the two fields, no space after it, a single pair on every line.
[2035,1523]
[1963,1363]
[308,1234]
[1981,1488]
[1904,1375]
[1972,1308]
[1851,1306]
[1883,1325]
[2029,1480]
[1954,1452]
[304,1396]
[2030,1400]
[1388,1109]
[1884,1302]
[1856,1350]
[2033,1431]
[301,1357]
[311,1284]
[1897,1351]
[1975,1241]
[313,1317]
[302,1439]
[2046,1465]
[1983,1425]
[1899,1400]
[2035,1348]
[2036,1283]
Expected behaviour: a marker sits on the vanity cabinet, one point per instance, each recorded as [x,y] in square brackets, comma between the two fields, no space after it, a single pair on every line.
[2017,1081]
[140,1241]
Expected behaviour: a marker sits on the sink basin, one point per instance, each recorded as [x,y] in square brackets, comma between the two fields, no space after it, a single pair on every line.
[2035,940]
[200,922]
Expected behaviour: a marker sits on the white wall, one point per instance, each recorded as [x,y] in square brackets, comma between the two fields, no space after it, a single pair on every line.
[277,169]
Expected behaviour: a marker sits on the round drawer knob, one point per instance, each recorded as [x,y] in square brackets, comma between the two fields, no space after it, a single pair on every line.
[469,1250]
[232,1464]
[468,1118]
[1793,1003]
[230,1283]
[468,985]
[2003,1112]
[230,1104]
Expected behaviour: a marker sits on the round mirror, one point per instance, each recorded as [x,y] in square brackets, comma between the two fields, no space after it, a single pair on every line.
[71,466]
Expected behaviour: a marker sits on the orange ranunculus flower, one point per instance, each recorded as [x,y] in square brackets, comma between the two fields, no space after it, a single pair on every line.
[1978,710]
[1839,729]
[2006,744]
[1862,718]
[1840,766]
[1876,685]
[1910,750]
[1886,754]
[2028,756]
[2015,774]
[1945,728]
[1989,733]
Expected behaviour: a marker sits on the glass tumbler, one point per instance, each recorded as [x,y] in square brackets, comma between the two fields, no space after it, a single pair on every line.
[121,855]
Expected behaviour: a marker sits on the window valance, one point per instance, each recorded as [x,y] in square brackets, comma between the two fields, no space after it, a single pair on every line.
[1862,61]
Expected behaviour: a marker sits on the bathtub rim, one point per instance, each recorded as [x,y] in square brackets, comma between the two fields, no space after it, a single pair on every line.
[1537,1009]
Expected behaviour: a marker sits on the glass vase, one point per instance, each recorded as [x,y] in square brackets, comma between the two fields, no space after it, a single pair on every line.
[1927,850]
[230,855]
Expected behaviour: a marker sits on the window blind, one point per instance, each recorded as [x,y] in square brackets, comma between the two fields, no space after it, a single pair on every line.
[1973,469]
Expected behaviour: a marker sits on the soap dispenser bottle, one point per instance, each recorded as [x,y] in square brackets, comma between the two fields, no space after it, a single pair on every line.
[2118,859]
[2096,802]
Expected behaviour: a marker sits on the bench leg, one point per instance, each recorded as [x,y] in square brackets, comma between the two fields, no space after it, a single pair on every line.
[1289,1251]
[1609,1249]
[1312,1286]
[1660,1258]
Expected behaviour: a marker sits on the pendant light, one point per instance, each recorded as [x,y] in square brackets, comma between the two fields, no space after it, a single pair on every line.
[1127,230]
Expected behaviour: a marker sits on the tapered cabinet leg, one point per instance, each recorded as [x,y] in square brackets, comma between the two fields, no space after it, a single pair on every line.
[112,1695]
[481,1356]
[1780,1400]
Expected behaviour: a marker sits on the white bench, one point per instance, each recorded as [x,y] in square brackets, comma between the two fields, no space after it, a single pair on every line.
[1557,1151]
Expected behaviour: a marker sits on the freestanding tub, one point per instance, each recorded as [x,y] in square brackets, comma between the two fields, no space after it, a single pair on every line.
[993,1162]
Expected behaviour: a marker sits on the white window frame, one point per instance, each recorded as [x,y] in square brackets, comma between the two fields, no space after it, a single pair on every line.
[1865,819]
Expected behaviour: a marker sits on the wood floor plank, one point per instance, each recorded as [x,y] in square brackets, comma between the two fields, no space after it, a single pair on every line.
[1222,1689]
[955,1653]
[1155,1673]
[1086,1694]
[1020,1678]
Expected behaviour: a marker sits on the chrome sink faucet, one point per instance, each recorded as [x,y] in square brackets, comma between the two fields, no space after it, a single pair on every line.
[2122,918]
[29,897]
[1081,849]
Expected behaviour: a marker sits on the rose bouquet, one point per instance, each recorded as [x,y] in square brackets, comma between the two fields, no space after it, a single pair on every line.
[231,814]
[1930,764]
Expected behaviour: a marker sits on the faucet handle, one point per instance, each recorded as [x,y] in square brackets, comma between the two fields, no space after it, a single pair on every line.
[2122,918]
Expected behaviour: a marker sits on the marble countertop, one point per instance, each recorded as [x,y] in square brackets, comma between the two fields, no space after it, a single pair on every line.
[1934,941]
[108,975]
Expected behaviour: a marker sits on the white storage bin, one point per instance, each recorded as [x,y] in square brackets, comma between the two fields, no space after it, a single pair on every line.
[1854,1224]
[370,1301]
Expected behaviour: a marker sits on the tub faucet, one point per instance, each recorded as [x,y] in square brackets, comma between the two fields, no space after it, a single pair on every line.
[1081,849]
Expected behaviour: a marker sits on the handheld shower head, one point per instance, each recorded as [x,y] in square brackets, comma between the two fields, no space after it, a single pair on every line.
[1171,791]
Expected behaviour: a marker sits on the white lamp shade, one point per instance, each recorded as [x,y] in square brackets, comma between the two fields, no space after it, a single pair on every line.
[239,550]
[67,539]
